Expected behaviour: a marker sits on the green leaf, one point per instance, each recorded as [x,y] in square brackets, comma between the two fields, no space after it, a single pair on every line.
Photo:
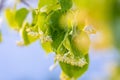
[34,17]
[62,50]
[42,3]
[57,38]
[74,71]
[10,16]
[65,4]
[28,39]
[41,21]
[15,18]
[54,19]
[56,32]
[20,16]
[47,47]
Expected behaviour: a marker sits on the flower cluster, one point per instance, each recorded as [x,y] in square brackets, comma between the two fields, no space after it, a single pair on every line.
[80,62]
[40,35]
[32,33]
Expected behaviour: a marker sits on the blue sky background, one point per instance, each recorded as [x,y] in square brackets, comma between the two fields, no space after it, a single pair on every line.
[31,63]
